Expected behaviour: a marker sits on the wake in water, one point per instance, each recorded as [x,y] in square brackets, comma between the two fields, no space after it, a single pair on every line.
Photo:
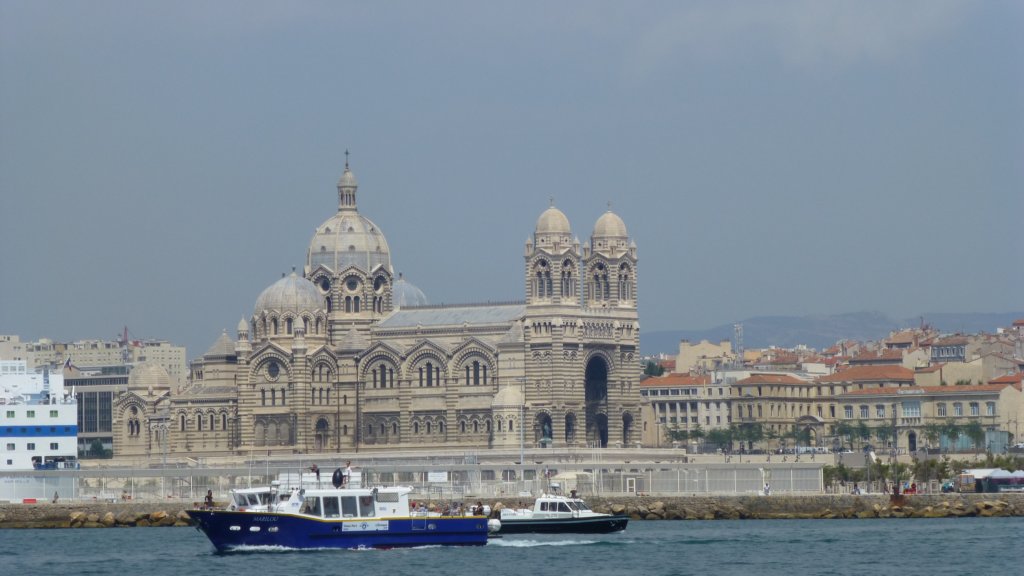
[506,543]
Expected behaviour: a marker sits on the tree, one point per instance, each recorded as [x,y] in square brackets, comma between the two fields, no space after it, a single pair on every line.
[697,433]
[863,431]
[883,434]
[976,433]
[674,434]
[932,433]
[652,368]
[721,437]
[843,430]
[755,433]
[802,435]
[953,431]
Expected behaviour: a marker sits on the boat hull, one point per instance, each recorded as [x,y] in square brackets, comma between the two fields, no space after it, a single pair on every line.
[229,530]
[593,525]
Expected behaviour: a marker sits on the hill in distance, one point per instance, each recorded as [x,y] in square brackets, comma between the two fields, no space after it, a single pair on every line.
[822,331]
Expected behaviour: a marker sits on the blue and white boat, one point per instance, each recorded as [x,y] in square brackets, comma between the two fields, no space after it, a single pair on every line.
[334,518]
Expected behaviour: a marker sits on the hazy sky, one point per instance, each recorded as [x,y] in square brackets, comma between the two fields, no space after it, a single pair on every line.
[161,163]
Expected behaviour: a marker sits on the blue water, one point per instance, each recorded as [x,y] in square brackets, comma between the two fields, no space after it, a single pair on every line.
[905,547]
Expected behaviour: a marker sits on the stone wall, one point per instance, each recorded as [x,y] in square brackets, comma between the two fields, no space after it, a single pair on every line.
[114,514]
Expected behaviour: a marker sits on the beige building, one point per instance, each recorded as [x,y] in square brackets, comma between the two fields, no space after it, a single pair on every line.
[781,401]
[682,402]
[979,370]
[346,355]
[704,356]
[997,407]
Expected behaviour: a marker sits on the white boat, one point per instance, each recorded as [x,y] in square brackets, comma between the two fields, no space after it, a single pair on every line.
[554,513]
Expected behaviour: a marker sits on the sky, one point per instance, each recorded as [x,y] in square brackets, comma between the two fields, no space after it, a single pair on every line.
[161,163]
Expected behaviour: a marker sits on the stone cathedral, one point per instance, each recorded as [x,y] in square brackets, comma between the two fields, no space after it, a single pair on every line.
[346,356]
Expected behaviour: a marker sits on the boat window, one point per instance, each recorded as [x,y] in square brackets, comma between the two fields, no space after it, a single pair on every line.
[348,506]
[264,497]
[562,507]
[253,500]
[331,508]
[311,505]
[582,505]
[572,505]
[240,500]
[366,505]
[543,506]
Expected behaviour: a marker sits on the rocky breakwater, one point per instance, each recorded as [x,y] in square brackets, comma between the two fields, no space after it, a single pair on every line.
[93,515]
[812,507]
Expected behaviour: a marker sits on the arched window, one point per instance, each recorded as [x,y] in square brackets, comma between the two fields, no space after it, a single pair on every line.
[273,325]
[476,427]
[288,326]
[213,422]
[199,422]
[415,427]
[223,421]
[181,423]
[283,402]
[273,396]
[430,374]
[394,428]
[355,304]
[462,427]
[428,427]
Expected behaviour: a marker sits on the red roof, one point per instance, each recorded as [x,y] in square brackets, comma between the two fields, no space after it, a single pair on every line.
[909,390]
[771,379]
[677,380]
[1008,379]
[886,373]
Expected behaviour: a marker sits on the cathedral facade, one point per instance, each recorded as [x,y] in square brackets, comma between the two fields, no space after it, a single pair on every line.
[347,356]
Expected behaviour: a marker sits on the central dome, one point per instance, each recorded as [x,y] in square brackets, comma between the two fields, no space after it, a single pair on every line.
[348,238]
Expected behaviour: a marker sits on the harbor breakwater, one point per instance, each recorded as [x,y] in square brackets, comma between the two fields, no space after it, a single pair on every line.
[825,506]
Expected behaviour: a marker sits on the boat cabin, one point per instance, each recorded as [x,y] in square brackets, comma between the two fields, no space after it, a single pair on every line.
[348,503]
[551,506]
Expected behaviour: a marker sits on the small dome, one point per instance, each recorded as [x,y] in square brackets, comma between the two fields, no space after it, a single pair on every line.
[508,397]
[348,179]
[243,326]
[609,225]
[552,221]
[405,293]
[292,293]
[149,376]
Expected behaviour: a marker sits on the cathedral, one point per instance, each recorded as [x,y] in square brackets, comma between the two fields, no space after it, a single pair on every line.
[346,356]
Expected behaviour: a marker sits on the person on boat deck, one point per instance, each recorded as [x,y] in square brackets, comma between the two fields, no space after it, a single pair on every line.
[478,510]
[315,470]
[208,501]
[346,476]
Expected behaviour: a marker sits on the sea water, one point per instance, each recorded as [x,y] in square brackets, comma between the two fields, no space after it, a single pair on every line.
[898,547]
